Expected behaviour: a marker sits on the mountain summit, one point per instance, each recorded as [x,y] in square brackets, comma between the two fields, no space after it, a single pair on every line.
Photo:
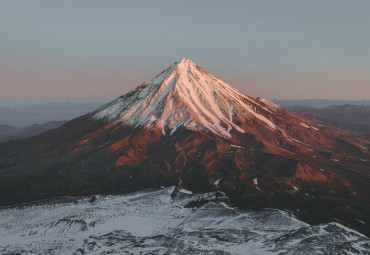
[188,124]
[184,95]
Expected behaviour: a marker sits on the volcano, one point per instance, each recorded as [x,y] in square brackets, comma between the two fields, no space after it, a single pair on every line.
[187,124]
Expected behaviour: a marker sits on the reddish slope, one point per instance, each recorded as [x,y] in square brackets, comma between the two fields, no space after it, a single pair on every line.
[188,124]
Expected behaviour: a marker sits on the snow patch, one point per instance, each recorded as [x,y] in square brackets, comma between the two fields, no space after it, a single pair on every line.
[255,181]
[304,125]
[185,191]
[217,182]
[362,222]
[236,146]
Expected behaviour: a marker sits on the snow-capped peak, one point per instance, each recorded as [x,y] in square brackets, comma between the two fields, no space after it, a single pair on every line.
[184,63]
[184,95]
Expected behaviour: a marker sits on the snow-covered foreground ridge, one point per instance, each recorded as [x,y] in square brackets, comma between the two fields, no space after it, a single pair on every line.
[151,222]
[184,95]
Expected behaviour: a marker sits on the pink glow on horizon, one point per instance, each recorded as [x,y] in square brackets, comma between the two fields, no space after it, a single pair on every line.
[28,84]
[108,84]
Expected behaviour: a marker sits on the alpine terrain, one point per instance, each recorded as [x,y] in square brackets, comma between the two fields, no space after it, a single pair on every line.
[160,221]
[187,124]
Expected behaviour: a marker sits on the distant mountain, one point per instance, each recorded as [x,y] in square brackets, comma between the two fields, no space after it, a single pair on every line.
[12,133]
[26,115]
[186,123]
[355,118]
[319,102]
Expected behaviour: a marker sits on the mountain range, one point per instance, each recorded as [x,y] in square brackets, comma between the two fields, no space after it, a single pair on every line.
[14,132]
[355,118]
[41,113]
[187,124]
[317,103]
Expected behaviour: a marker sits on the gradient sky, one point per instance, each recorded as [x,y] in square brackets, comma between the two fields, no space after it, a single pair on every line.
[289,49]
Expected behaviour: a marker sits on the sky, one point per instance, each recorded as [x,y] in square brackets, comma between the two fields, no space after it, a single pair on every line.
[99,50]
